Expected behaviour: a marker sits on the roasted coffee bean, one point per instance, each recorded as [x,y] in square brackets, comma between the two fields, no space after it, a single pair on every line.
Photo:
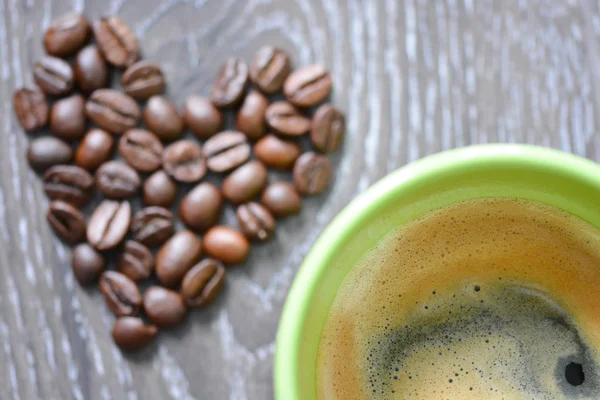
[116,41]
[327,128]
[251,116]
[117,180]
[201,207]
[66,35]
[202,117]
[66,221]
[226,151]
[162,118]
[269,69]
[177,256]
[47,151]
[228,89]
[31,108]
[109,224]
[122,295]
[131,334]
[112,111]
[160,190]
[95,149]
[153,226]
[285,119]
[277,153]
[184,161]
[67,118]
[226,244]
[203,283]
[141,149]
[164,307]
[136,262]
[53,75]
[282,199]
[69,183]
[90,69]
[312,172]
[255,221]
[245,183]
[143,80]
[87,264]
[307,86]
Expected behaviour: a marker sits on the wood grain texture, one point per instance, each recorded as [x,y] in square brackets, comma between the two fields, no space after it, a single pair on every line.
[414,77]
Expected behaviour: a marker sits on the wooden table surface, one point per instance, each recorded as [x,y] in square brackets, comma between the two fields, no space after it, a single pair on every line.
[413,77]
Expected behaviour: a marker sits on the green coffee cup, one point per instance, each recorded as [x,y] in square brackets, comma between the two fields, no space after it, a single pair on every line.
[548,176]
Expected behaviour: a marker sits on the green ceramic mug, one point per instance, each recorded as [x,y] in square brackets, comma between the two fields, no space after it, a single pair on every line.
[548,176]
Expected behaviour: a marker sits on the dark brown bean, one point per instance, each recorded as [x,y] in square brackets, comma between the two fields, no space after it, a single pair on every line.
[184,160]
[67,118]
[251,116]
[69,183]
[143,80]
[202,117]
[307,86]
[327,128]
[269,69]
[311,173]
[282,199]
[152,226]
[136,262]
[109,224]
[117,180]
[31,108]
[228,89]
[66,221]
[122,295]
[277,153]
[203,283]
[226,151]
[160,190]
[141,149]
[112,111]
[131,334]
[226,244]
[177,256]
[117,42]
[201,207]
[164,307]
[47,151]
[87,264]
[286,120]
[255,221]
[66,35]
[162,118]
[90,69]
[94,150]
[53,75]
[245,183]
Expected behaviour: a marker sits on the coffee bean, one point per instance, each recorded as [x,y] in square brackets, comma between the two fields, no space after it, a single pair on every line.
[201,207]
[228,89]
[117,180]
[327,128]
[277,153]
[31,108]
[67,118]
[112,111]
[47,151]
[53,75]
[131,334]
[90,69]
[245,183]
[69,183]
[66,221]
[136,262]
[153,226]
[226,244]
[307,86]
[184,161]
[202,117]
[109,224]
[116,41]
[164,307]
[141,149]
[177,256]
[121,294]
[311,173]
[143,80]
[255,221]
[87,264]
[226,151]
[162,118]
[251,116]
[285,119]
[160,190]
[203,283]
[66,35]
[95,149]
[282,199]
[269,69]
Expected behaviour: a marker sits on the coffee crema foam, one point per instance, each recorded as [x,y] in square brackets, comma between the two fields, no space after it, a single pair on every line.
[485,299]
